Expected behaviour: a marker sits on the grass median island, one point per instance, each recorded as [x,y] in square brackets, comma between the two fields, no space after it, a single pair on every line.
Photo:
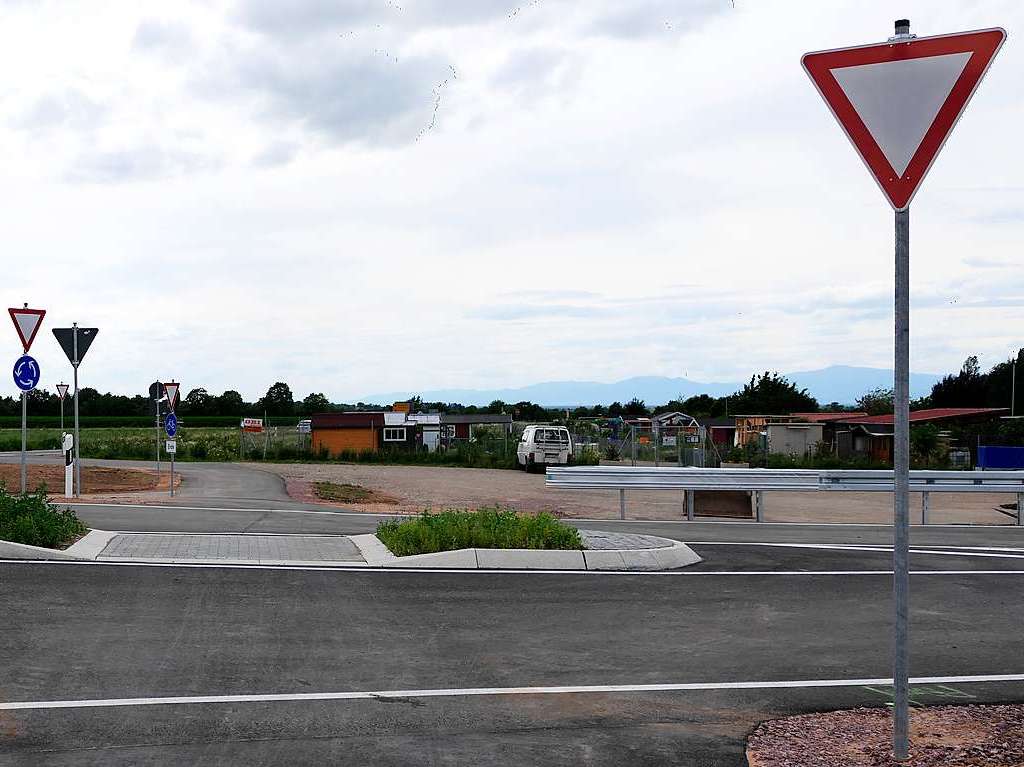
[30,518]
[487,528]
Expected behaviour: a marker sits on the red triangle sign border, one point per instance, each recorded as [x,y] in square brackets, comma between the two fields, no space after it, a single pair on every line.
[26,343]
[983,45]
[172,390]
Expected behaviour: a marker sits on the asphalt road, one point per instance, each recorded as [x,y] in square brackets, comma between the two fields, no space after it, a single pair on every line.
[100,632]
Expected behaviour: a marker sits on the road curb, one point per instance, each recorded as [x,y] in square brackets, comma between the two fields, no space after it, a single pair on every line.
[674,554]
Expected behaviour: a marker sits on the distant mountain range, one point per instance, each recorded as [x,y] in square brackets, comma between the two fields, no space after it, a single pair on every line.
[837,383]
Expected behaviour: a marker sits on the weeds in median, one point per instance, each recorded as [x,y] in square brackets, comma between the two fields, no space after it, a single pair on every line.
[486,528]
[30,518]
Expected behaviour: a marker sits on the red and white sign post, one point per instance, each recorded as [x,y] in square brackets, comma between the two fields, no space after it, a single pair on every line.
[26,323]
[62,392]
[898,101]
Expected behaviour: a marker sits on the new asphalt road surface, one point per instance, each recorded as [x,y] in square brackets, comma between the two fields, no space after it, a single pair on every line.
[134,664]
[105,664]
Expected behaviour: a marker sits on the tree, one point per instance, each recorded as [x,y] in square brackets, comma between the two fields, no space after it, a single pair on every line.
[615,409]
[965,389]
[315,403]
[771,394]
[278,400]
[198,402]
[635,407]
[876,402]
[230,403]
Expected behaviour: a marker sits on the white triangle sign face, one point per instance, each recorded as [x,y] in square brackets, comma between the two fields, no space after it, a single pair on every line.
[899,101]
[27,323]
[62,390]
[171,390]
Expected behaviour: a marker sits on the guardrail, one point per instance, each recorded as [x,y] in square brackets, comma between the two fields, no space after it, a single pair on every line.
[757,481]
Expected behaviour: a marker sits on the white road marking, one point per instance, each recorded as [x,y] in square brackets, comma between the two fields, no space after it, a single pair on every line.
[457,692]
[449,570]
[948,551]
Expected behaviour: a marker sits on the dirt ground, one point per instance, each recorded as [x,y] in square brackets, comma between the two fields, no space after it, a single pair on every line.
[431,487]
[95,480]
[943,736]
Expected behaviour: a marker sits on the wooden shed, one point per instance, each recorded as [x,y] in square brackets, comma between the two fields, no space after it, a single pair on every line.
[336,432]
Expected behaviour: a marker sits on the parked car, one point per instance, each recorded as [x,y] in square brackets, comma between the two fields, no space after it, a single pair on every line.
[304,426]
[543,446]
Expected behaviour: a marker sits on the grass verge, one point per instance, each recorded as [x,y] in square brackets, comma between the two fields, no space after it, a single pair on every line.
[486,528]
[342,492]
[30,518]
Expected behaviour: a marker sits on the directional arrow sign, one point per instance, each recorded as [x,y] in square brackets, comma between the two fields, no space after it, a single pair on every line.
[898,101]
[26,373]
[66,338]
[62,390]
[27,322]
[171,389]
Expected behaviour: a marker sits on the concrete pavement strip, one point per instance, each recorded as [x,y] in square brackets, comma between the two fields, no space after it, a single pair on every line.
[641,553]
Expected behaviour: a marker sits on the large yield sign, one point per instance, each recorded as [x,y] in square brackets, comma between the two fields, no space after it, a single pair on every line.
[898,101]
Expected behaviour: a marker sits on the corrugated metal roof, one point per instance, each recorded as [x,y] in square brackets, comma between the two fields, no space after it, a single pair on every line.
[931,414]
[354,420]
[395,419]
[826,417]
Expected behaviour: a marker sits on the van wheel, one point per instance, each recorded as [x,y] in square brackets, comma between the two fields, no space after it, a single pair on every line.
[529,466]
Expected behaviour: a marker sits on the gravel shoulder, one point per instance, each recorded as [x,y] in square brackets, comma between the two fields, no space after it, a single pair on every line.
[941,736]
[415,488]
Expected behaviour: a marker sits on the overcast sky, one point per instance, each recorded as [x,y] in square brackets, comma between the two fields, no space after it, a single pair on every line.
[358,196]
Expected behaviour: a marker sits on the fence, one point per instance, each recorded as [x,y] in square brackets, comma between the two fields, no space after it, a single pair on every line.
[757,481]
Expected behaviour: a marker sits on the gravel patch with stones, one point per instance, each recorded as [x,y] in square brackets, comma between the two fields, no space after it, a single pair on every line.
[940,736]
[597,540]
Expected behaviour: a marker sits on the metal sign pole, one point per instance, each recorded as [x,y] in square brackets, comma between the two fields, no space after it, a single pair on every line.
[62,415]
[24,427]
[901,502]
[78,439]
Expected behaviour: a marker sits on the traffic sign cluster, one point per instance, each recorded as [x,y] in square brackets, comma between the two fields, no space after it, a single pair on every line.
[75,342]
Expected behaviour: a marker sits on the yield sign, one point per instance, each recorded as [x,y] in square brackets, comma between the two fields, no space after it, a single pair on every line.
[66,338]
[27,322]
[171,389]
[898,101]
[62,390]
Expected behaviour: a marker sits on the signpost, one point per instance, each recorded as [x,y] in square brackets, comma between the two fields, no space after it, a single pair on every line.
[171,424]
[156,393]
[897,102]
[75,342]
[26,371]
[62,392]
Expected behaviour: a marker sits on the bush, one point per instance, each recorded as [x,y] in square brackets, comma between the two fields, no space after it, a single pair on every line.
[486,528]
[30,518]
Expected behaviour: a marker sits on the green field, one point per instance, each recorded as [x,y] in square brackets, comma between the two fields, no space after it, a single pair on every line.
[195,444]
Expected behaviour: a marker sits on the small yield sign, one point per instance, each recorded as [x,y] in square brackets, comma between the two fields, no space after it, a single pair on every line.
[897,102]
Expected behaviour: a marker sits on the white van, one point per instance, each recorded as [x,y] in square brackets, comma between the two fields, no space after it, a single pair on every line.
[544,445]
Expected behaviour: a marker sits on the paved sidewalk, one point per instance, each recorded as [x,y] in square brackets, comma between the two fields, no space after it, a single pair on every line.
[597,540]
[247,548]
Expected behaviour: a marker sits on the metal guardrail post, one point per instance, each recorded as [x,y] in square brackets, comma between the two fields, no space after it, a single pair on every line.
[759,505]
[622,504]
[689,505]
[924,508]
[1020,508]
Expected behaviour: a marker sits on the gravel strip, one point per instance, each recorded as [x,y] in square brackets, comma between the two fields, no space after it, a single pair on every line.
[940,736]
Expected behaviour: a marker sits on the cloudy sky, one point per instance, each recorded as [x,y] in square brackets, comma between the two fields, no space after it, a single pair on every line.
[358,196]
